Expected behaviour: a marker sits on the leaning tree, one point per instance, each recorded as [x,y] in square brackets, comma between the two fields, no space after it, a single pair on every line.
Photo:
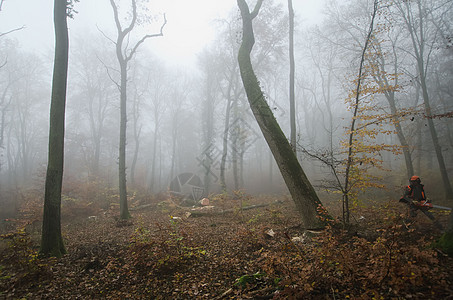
[302,192]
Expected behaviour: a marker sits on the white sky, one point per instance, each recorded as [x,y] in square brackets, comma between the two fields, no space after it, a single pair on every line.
[188,29]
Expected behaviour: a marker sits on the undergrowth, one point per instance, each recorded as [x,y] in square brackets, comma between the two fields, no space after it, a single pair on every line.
[349,266]
[19,262]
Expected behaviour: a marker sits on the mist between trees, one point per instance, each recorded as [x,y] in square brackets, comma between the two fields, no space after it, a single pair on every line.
[198,120]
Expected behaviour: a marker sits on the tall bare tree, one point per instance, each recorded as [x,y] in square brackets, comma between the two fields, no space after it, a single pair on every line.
[302,192]
[210,89]
[124,54]
[416,20]
[292,104]
[51,240]
[352,129]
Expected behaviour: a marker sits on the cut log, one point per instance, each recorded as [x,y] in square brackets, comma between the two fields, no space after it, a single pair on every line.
[140,207]
[203,213]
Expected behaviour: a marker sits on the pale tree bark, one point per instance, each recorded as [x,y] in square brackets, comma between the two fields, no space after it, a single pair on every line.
[176,110]
[4,104]
[231,92]
[231,96]
[124,55]
[158,103]
[292,104]
[137,129]
[302,192]
[234,143]
[207,119]
[51,240]
[157,116]
[225,139]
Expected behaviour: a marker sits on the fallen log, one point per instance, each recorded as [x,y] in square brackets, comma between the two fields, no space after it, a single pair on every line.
[140,207]
[204,212]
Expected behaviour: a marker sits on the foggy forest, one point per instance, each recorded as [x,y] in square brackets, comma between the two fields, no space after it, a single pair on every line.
[293,150]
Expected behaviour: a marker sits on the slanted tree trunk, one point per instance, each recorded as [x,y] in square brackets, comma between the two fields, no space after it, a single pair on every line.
[302,192]
[51,239]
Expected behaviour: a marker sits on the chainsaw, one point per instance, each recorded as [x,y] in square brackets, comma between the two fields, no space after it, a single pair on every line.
[423,205]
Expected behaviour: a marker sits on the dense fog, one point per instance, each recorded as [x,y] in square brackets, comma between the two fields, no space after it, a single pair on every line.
[193,116]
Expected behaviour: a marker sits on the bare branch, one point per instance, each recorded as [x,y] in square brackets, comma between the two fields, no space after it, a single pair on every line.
[8,32]
[4,64]
[106,36]
[131,54]
[330,161]
[108,72]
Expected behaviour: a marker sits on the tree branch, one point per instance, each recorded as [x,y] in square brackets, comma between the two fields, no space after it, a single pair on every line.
[4,64]
[12,30]
[108,73]
[256,10]
[131,54]
[106,36]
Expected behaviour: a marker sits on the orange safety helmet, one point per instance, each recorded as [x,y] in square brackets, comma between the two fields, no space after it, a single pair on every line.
[415,178]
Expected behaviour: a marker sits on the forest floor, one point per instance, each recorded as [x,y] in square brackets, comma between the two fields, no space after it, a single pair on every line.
[260,253]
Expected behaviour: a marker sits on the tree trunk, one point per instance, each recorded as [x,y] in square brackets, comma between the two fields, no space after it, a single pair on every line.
[137,132]
[225,139]
[95,134]
[292,105]
[417,34]
[124,56]
[124,211]
[174,139]
[440,158]
[302,192]
[349,162]
[241,162]
[153,161]
[234,143]
[51,240]
[401,136]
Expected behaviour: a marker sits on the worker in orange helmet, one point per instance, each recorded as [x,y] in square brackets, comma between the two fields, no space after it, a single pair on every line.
[414,196]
